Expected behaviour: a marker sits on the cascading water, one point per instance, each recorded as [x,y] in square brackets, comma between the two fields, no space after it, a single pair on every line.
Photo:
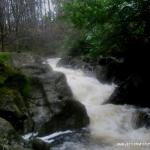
[109,124]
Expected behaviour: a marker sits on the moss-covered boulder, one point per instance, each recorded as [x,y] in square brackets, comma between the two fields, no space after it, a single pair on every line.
[11,100]
[14,89]
[6,129]
[7,133]
[9,138]
[34,98]
[12,107]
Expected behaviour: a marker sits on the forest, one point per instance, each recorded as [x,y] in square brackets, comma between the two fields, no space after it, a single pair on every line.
[104,27]
[74,74]
[31,25]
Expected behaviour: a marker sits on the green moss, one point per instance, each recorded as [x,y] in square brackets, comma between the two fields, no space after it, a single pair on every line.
[14,88]
[2,79]
[4,93]
[12,100]
[5,71]
[19,82]
[5,57]
[12,78]
[18,100]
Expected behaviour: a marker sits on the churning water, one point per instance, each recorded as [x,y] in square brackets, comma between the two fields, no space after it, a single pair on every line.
[109,124]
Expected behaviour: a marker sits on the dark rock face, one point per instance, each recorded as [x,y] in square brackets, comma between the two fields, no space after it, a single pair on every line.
[141,119]
[9,130]
[75,63]
[133,91]
[38,144]
[70,117]
[12,108]
[9,138]
[51,103]
[132,80]
[110,69]
[105,69]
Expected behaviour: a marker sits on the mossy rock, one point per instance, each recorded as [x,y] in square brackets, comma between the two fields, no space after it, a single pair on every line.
[5,57]
[12,108]
[4,73]
[11,100]
[13,78]
[6,129]
[7,134]
[12,147]
[19,82]
[18,147]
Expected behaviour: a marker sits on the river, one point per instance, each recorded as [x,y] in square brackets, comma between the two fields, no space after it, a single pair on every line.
[110,125]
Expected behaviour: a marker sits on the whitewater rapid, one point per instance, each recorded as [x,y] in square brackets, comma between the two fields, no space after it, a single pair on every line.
[109,124]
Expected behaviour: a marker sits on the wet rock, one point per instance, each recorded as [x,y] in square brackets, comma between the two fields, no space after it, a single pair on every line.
[8,134]
[12,107]
[75,63]
[6,129]
[69,62]
[38,144]
[72,116]
[141,119]
[49,94]
[50,98]
[18,147]
[133,91]
[105,69]
[45,107]
[110,69]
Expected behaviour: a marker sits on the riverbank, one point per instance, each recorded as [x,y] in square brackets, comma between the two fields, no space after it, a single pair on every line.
[34,98]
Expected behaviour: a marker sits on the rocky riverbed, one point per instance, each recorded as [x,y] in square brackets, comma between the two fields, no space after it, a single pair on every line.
[47,107]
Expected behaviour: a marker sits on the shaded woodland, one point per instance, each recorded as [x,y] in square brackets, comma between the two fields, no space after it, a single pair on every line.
[31,25]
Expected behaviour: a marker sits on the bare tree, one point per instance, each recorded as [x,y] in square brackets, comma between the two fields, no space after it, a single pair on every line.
[30,25]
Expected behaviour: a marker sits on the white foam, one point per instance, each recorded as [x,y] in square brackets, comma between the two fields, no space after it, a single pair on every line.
[29,135]
[108,123]
[46,138]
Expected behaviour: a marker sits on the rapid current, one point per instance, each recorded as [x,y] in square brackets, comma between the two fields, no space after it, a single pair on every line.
[111,125]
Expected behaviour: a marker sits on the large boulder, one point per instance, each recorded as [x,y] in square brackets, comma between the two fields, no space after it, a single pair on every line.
[50,97]
[72,116]
[133,91]
[38,144]
[109,69]
[8,135]
[12,107]
[13,90]
[34,98]
[6,129]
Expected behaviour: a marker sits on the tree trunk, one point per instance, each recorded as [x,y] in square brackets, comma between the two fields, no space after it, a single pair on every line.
[2,39]
[49,6]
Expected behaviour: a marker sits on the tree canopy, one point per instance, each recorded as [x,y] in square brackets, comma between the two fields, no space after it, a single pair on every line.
[110,26]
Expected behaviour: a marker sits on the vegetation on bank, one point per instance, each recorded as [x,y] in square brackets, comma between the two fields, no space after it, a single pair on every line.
[14,88]
[109,27]
[11,77]
[14,91]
